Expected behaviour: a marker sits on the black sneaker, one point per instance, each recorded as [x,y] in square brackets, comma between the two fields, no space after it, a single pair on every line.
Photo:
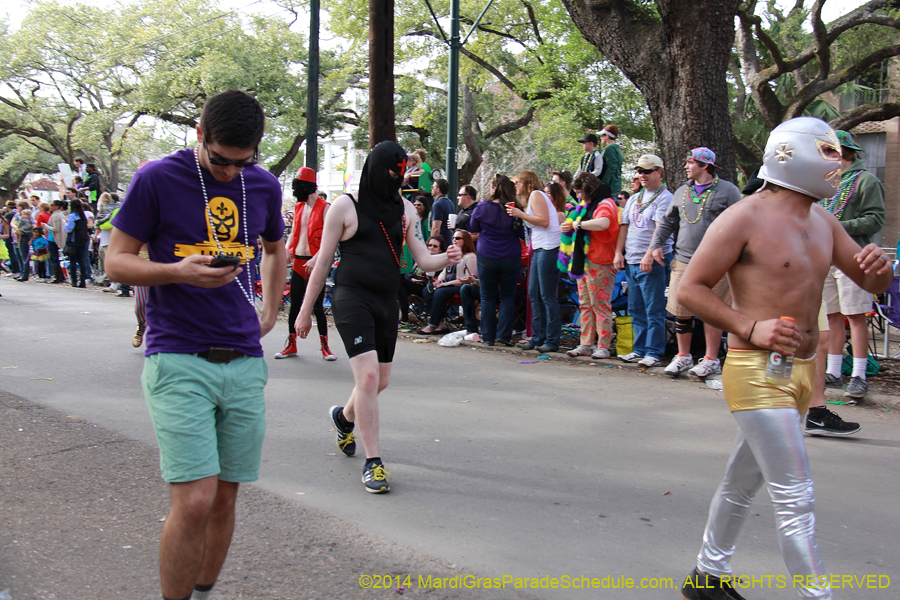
[346,441]
[821,421]
[856,390]
[699,586]
[376,479]
[834,382]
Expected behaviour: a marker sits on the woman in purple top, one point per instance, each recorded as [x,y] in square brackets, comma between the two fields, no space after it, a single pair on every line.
[499,260]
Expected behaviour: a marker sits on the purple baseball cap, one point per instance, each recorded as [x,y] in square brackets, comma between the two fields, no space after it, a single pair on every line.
[704,155]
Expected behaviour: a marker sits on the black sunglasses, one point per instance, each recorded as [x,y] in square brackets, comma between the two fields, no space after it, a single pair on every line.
[646,171]
[224,162]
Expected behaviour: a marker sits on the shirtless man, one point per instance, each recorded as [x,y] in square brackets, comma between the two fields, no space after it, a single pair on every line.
[370,230]
[776,247]
[302,252]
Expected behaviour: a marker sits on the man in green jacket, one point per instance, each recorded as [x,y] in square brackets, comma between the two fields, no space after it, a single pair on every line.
[859,206]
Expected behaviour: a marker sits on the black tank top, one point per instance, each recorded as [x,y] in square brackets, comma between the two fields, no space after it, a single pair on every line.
[367,260]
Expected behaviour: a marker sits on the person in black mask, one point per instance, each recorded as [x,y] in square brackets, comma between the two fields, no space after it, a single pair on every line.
[371,229]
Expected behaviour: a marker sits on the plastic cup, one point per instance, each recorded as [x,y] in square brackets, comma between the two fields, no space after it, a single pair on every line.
[451,221]
[510,205]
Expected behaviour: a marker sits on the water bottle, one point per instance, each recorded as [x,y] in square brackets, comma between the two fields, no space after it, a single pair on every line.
[779,366]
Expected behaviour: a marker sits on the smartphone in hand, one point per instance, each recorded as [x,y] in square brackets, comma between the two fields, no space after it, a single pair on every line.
[225,260]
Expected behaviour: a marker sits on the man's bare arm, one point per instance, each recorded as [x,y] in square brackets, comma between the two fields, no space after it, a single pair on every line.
[865,266]
[125,266]
[426,260]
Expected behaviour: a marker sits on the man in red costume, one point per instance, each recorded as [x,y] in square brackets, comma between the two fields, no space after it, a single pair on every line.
[302,252]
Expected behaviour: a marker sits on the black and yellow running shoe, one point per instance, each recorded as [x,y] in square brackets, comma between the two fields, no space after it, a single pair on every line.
[346,441]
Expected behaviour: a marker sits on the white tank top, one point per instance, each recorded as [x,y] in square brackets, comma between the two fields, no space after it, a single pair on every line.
[545,238]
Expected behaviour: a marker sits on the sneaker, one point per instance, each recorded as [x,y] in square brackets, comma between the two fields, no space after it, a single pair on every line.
[600,353]
[525,345]
[376,479]
[346,441]
[679,364]
[138,337]
[857,389]
[631,357]
[507,343]
[649,361]
[580,350]
[700,586]
[821,421]
[544,348]
[123,294]
[834,382]
[290,347]
[706,366]
[327,354]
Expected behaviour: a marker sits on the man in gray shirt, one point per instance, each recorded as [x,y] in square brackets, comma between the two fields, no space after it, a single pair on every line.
[695,205]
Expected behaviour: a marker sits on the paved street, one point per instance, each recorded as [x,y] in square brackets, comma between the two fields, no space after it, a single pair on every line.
[500,468]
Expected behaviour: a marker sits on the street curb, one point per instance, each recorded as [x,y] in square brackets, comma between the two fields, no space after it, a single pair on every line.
[882,401]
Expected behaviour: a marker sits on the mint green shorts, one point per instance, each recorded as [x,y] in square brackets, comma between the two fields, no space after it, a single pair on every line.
[209,418]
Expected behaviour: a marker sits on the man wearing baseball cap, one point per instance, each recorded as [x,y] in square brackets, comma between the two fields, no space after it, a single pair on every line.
[646,279]
[592,161]
[859,206]
[302,252]
[695,205]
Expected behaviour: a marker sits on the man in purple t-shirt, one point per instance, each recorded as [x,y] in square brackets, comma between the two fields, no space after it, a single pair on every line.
[204,371]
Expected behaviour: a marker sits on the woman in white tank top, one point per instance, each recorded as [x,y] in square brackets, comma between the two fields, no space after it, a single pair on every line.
[542,218]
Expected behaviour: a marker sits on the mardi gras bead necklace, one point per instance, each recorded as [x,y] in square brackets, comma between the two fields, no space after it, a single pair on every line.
[701,199]
[212,227]
[400,262]
[838,203]
[640,207]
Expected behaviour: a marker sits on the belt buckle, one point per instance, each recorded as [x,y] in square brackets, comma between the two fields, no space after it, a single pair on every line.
[220,355]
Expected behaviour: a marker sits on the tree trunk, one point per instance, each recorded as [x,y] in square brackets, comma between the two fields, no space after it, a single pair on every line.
[679,61]
[381,72]
[474,151]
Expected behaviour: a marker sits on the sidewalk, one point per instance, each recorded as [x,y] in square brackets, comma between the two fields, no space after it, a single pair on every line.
[82,510]
[874,399]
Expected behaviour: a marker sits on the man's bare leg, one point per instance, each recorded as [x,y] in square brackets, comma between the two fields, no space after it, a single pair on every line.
[713,340]
[371,378]
[183,540]
[219,531]
[818,395]
[684,343]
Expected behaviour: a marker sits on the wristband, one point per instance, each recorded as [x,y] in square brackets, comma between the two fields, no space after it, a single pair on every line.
[751,332]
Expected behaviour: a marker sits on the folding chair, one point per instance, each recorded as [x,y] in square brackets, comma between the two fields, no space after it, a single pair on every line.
[887,315]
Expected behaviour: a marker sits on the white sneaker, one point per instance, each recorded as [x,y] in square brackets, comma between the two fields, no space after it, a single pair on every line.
[631,357]
[600,353]
[580,350]
[649,361]
[679,364]
[706,366]
[472,337]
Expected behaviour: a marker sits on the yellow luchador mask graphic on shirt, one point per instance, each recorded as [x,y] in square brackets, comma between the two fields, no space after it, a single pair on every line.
[223,223]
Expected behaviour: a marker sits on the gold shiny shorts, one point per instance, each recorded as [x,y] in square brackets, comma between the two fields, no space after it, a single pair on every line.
[745,386]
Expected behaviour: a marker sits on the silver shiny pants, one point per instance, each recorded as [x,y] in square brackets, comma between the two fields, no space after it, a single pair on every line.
[769,449]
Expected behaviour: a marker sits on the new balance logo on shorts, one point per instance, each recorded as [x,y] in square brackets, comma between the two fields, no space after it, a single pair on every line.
[357,341]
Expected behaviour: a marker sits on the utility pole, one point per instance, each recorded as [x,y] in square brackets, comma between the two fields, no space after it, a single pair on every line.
[455,44]
[312,89]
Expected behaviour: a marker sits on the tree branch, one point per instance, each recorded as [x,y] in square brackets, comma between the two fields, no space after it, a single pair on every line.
[867,112]
[505,128]
[533,19]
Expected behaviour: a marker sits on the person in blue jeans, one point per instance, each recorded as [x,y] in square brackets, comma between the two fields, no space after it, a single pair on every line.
[646,278]
[499,260]
[78,236]
[542,217]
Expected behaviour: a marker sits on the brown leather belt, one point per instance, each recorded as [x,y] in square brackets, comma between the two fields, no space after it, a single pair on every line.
[220,355]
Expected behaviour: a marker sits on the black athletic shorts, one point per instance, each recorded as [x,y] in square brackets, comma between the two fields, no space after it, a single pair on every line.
[366,321]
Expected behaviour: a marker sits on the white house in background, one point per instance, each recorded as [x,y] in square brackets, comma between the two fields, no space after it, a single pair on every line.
[42,186]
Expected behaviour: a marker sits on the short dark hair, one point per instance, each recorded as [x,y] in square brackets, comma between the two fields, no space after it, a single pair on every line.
[322,195]
[624,193]
[565,176]
[443,185]
[233,118]
[61,204]
[470,191]
[81,160]
[849,154]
